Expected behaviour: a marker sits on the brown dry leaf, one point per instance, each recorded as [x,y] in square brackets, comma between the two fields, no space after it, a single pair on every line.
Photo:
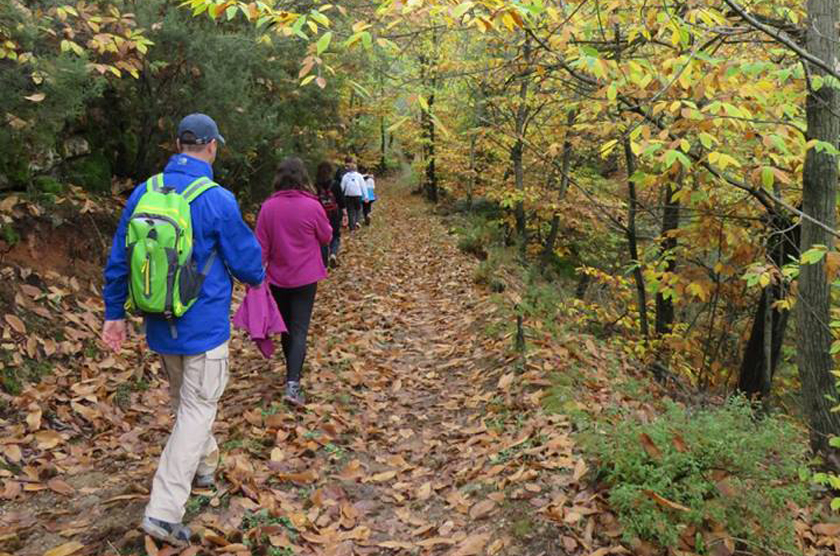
[236,547]
[505,381]
[665,502]
[580,470]
[48,439]
[191,551]
[16,324]
[151,546]
[482,509]
[472,545]
[308,476]
[827,529]
[396,545]
[649,447]
[65,549]
[679,444]
[434,541]
[384,476]
[13,453]
[33,418]
[61,487]
[425,491]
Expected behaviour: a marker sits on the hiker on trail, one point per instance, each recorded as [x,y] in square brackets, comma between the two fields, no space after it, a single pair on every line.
[181,224]
[370,195]
[291,227]
[353,188]
[332,199]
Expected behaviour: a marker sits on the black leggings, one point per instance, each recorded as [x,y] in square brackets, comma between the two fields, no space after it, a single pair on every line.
[295,306]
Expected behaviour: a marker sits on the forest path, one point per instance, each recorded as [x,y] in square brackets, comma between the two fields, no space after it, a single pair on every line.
[419,437]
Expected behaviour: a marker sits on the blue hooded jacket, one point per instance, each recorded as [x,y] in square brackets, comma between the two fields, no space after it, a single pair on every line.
[217,224]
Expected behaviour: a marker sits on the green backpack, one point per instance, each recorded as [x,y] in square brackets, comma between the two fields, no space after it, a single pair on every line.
[163,276]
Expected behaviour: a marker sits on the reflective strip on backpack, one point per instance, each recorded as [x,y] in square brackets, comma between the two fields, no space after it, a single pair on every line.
[155,183]
[193,189]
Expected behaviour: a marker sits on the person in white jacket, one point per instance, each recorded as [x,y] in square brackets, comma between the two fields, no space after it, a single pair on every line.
[353,188]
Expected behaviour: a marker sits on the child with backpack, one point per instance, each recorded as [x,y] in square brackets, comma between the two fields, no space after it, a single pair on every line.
[369,197]
[332,199]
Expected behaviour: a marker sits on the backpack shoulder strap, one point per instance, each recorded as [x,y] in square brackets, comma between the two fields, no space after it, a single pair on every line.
[155,183]
[196,188]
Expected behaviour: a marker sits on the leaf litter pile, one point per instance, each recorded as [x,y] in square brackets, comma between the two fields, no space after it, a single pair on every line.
[419,437]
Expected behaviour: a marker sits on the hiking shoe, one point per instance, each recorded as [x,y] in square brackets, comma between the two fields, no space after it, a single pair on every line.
[333,261]
[175,534]
[293,394]
[205,481]
[367,220]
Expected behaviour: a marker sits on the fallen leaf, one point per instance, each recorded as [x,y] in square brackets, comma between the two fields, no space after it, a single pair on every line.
[396,545]
[649,447]
[61,487]
[48,439]
[33,419]
[151,546]
[679,444]
[665,502]
[827,529]
[425,491]
[482,509]
[65,549]
[384,476]
[472,545]
[16,324]
[308,476]
[37,97]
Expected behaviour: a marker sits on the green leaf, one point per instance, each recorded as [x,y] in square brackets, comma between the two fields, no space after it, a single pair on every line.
[835,504]
[813,255]
[461,9]
[767,177]
[324,42]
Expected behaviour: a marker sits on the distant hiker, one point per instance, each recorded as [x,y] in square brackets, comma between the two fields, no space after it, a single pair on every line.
[179,239]
[291,227]
[353,188]
[370,195]
[332,199]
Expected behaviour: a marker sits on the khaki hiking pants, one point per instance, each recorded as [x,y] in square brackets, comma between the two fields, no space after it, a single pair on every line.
[196,383]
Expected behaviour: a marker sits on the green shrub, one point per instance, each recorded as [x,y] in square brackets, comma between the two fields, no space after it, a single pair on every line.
[704,471]
[47,184]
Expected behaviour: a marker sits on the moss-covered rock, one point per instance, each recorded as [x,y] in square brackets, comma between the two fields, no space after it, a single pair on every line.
[92,172]
[47,184]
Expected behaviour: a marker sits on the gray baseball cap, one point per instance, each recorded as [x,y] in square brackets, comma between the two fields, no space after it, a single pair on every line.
[201,127]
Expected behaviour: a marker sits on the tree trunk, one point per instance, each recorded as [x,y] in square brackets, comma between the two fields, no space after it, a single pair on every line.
[564,185]
[754,372]
[632,244]
[521,120]
[670,221]
[819,201]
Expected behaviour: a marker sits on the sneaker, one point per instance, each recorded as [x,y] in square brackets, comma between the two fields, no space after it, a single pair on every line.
[333,261]
[205,481]
[175,534]
[293,394]
[367,220]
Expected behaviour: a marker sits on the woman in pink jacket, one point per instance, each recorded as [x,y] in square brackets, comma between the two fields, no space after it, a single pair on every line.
[292,227]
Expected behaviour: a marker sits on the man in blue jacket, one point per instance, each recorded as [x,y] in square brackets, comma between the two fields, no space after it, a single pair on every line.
[195,354]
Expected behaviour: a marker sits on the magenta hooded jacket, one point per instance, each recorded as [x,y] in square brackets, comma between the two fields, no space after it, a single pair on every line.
[291,228]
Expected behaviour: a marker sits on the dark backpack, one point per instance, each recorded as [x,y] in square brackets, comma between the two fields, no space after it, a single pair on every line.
[327,199]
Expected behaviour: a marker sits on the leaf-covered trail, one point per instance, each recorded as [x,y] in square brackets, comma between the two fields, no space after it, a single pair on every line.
[419,436]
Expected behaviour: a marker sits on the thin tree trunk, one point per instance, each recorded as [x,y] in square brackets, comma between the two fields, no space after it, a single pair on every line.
[632,243]
[819,200]
[754,372]
[517,151]
[670,222]
[564,185]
